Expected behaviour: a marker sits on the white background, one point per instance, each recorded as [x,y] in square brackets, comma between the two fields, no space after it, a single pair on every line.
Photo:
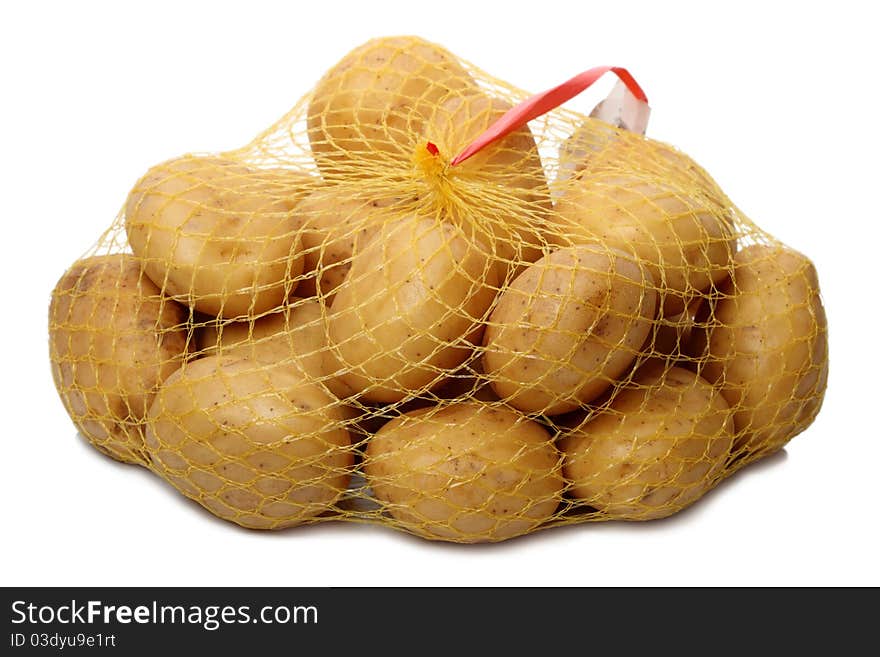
[778,102]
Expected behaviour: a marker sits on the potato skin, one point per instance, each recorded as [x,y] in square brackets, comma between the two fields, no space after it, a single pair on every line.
[567,327]
[466,472]
[259,446]
[276,337]
[599,146]
[112,341]
[375,99]
[662,443]
[293,337]
[678,235]
[768,347]
[336,222]
[410,309]
[216,235]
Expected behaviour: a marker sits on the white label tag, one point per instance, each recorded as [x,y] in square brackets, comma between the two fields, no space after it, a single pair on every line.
[620,108]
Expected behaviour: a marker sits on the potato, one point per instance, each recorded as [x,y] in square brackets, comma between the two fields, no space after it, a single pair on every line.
[260,447]
[370,105]
[216,235]
[336,223]
[599,146]
[410,309]
[661,443]
[264,339]
[501,191]
[295,336]
[582,149]
[113,339]
[768,347]
[567,328]
[681,239]
[466,472]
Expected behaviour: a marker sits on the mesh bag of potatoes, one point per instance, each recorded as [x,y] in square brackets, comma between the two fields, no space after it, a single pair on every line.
[388,309]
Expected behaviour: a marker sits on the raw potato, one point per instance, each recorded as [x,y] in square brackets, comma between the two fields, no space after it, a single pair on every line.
[265,339]
[659,446]
[334,322]
[501,191]
[261,447]
[768,347]
[216,235]
[410,309]
[112,341]
[466,472]
[598,146]
[679,236]
[335,224]
[295,336]
[582,149]
[568,327]
[370,106]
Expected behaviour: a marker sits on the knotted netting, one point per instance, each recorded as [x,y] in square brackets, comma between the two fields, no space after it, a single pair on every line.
[347,320]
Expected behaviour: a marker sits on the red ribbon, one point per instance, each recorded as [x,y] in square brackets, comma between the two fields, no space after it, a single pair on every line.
[541,103]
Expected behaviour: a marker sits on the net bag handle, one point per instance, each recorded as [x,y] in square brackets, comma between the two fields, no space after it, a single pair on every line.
[541,103]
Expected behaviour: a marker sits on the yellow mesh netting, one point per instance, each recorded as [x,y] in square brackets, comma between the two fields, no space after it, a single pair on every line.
[335,323]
